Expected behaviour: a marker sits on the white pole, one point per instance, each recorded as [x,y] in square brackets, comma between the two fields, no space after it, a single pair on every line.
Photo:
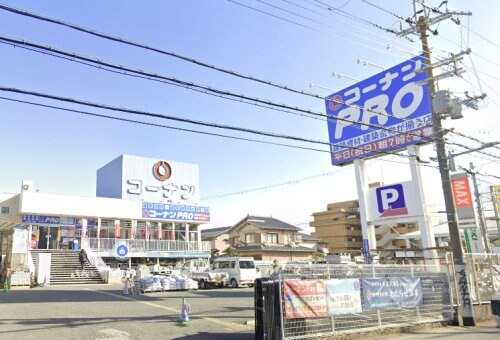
[367,228]
[425,226]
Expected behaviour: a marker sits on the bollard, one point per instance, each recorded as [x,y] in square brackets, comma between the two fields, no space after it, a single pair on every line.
[6,285]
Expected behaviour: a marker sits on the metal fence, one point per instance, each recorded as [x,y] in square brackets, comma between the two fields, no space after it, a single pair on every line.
[484,276]
[141,246]
[435,289]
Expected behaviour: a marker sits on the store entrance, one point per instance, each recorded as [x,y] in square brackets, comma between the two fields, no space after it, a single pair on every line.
[48,237]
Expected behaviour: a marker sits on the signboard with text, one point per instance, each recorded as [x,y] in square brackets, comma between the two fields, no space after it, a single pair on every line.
[387,111]
[175,212]
[392,292]
[464,203]
[305,299]
[343,296]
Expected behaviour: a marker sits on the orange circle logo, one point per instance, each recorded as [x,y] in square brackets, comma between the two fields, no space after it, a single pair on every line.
[162,170]
[335,102]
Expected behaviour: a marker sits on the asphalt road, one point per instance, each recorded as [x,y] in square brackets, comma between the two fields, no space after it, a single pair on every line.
[102,312]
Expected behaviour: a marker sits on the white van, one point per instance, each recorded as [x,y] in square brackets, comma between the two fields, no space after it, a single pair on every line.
[241,270]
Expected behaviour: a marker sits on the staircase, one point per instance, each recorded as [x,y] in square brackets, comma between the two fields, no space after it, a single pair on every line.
[65,268]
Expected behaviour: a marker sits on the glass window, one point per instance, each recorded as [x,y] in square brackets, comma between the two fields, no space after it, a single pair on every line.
[247,264]
[250,238]
[5,210]
[272,238]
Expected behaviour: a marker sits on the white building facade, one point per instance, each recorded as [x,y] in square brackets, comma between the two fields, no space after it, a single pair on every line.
[145,207]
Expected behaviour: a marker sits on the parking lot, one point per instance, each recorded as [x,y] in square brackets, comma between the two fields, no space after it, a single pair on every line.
[102,312]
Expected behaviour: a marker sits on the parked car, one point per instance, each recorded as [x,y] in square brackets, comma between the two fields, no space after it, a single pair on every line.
[241,270]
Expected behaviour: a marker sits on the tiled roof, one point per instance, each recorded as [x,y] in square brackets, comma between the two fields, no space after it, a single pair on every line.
[269,223]
[306,237]
[214,232]
[259,247]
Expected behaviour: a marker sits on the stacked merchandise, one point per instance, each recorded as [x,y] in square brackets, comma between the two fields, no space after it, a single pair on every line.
[161,283]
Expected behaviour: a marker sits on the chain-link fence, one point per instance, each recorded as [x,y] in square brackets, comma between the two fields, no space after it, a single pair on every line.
[426,287]
[484,276]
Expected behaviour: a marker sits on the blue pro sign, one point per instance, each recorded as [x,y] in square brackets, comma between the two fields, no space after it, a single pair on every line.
[396,101]
[54,220]
[175,212]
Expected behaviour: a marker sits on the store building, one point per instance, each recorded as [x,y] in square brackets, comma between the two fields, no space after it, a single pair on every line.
[144,209]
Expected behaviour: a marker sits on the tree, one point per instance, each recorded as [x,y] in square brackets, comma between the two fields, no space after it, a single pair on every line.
[230,251]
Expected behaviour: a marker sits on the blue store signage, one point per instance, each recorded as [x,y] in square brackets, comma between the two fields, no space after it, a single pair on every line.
[176,212]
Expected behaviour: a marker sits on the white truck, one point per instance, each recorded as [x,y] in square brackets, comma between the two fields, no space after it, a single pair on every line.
[199,270]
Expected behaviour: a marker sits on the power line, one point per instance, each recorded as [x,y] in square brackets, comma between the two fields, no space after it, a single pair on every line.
[186,120]
[136,44]
[384,10]
[187,84]
[354,17]
[160,125]
[351,24]
[320,23]
[174,81]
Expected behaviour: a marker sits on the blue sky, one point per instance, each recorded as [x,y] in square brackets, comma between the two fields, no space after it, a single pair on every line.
[61,151]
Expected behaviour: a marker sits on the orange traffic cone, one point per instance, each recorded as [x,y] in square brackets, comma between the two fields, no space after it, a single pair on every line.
[184,312]
[125,288]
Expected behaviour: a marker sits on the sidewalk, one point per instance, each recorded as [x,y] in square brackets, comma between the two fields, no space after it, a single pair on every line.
[486,330]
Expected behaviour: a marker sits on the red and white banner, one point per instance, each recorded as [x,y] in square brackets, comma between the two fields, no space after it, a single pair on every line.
[463,200]
[133,229]
[305,299]
[117,228]
[148,230]
[159,231]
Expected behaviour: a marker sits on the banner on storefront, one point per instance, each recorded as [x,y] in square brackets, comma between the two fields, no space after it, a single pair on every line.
[392,292]
[305,299]
[117,228]
[133,229]
[176,212]
[56,220]
[344,296]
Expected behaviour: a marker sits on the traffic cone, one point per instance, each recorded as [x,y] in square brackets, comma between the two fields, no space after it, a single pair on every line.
[125,288]
[184,312]
[6,285]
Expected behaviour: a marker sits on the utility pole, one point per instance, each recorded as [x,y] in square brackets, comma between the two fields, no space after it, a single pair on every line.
[444,170]
[480,215]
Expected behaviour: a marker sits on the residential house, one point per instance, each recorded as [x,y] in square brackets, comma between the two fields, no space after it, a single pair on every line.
[268,239]
[218,238]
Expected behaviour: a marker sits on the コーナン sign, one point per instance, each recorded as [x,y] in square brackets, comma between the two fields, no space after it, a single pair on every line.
[387,111]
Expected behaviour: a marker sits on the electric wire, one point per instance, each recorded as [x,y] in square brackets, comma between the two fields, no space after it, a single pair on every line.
[187,84]
[121,40]
[323,24]
[350,25]
[186,120]
[160,125]
[315,30]
[143,46]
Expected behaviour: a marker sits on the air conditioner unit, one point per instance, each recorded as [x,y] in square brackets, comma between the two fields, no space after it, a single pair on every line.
[27,185]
